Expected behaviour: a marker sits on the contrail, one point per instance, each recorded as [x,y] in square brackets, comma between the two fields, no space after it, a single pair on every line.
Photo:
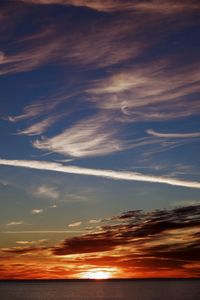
[111,174]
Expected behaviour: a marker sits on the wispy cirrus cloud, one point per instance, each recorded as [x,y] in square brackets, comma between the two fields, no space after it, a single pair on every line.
[21,250]
[39,127]
[4,182]
[115,41]
[112,174]
[149,93]
[53,206]
[174,135]
[37,211]
[55,44]
[75,224]
[42,241]
[46,191]
[153,6]
[90,137]
[34,51]
[39,108]
[15,223]
[95,221]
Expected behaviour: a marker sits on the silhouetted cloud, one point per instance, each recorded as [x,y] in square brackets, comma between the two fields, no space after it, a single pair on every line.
[157,243]
[161,239]
[140,227]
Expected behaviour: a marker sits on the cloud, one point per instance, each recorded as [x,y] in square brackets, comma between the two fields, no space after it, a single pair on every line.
[94,221]
[39,127]
[142,243]
[42,241]
[117,39]
[114,41]
[39,108]
[42,231]
[14,223]
[75,224]
[166,7]
[53,206]
[186,203]
[21,250]
[83,245]
[33,50]
[4,182]
[59,42]
[37,211]
[174,135]
[47,191]
[151,92]
[91,137]
[161,243]
[153,6]
[117,175]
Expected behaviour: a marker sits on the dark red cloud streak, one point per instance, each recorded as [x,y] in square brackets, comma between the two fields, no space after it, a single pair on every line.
[161,243]
[158,240]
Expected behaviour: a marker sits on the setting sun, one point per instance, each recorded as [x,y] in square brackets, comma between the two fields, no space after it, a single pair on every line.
[97,274]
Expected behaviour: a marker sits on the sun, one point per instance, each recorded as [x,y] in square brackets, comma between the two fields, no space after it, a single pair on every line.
[97,274]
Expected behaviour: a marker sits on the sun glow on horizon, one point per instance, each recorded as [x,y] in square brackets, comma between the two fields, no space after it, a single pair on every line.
[97,274]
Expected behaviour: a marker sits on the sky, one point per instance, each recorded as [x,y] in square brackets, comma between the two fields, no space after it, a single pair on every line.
[100,136]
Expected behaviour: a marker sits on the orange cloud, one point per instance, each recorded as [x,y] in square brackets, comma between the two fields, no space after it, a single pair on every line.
[160,243]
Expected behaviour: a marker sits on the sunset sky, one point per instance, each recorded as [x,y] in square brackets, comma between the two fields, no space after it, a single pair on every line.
[100,136]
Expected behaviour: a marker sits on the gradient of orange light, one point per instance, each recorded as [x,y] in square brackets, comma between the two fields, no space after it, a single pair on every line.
[99,273]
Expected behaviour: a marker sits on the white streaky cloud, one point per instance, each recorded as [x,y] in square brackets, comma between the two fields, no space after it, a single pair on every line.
[109,38]
[75,197]
[91,137]
[94,221]
[37,211]
[32,51]
[53,206]
[147,93]
[111,174]
[28,59]
[14,223]
[31,242]
[173,135]
[47,191]
[64,160]
[39,108]
[148,83]
[182,203]
[39,127]
[4,182]
[75,224]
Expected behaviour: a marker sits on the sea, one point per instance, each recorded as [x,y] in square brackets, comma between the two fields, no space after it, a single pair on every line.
[100,290]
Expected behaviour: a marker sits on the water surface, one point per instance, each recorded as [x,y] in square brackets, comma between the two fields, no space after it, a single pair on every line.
[101,290]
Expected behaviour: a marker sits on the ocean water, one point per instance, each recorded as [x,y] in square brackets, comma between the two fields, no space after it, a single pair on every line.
[101,290]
